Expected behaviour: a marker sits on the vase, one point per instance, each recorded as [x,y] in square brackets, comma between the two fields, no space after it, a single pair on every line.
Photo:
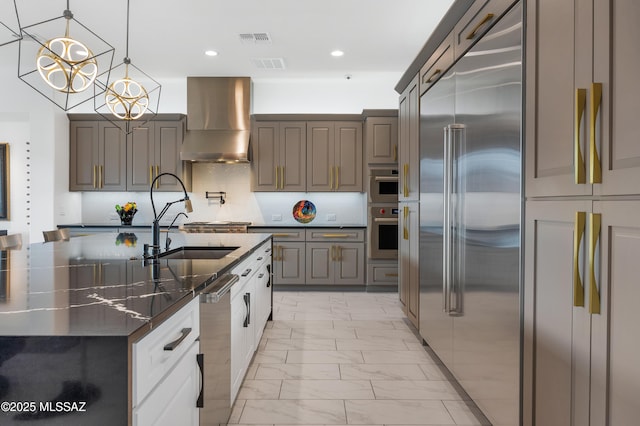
[126,219]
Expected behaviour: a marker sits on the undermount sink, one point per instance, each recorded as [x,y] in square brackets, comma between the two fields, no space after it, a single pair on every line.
[197,253]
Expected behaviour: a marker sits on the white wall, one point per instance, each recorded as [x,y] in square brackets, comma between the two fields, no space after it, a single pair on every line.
[29,117]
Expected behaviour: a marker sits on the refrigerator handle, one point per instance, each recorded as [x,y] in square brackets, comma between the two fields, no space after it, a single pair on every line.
[446,221]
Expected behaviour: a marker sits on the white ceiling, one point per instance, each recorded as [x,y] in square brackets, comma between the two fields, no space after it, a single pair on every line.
[168,38]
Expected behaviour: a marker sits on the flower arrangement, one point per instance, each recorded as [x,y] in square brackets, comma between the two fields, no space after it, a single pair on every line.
[126,212]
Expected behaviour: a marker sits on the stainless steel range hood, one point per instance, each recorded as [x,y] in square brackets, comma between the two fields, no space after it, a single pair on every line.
[218,119]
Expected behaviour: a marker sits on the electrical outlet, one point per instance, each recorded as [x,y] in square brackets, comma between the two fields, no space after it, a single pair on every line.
[331,217]
[276,217]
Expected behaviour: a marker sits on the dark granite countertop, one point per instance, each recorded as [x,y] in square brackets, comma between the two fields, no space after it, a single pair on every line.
[301,225]
[99,285]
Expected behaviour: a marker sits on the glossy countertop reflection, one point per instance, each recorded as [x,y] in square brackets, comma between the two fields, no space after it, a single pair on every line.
[99,285]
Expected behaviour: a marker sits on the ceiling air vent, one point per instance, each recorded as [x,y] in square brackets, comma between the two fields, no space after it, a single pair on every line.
[268,63]
[255,38]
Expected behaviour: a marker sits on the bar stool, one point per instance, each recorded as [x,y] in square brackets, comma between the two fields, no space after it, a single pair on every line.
[56,235]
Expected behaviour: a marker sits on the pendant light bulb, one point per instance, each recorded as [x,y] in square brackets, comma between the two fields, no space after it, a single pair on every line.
[126,98]
[65,64]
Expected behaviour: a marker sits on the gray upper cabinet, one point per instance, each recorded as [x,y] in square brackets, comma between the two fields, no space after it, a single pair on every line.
[104,158]
[97,157]
[408,156]
[279,153]
[580,116]
[381,136]
[154,149]
[334,156]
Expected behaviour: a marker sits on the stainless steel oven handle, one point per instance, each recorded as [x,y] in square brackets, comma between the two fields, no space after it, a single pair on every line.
[385,219]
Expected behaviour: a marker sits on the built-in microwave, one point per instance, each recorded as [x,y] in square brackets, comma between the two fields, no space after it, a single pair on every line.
[383,232]
[383,185]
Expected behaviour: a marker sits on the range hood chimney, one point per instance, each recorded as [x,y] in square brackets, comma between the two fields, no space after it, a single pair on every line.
[218,119]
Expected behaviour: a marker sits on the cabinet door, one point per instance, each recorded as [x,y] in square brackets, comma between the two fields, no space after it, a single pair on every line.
[615,59]
[266,156]
[408,261]
[348,157]
[320,259]
[615,372]
[289,263]
[409,143]
[556,117]
[557,323]
[293,156]
[173,402]
[141,158]
[320,156]
[168,140]
[112,168]
[381,134]
[349,264]
[83,155]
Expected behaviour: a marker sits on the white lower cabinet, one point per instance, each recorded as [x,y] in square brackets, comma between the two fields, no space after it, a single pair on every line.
[173,402]
[166,376]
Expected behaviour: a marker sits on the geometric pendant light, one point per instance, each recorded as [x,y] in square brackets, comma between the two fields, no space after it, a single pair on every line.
[61,58]
[131,97]
[9,22]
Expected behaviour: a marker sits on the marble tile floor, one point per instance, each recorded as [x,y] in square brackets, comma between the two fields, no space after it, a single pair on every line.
[347,358]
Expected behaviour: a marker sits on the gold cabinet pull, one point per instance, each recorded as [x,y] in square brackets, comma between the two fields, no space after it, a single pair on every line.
[578,233]
[283,235]
[405,230]
[432,76]
[282,177]
[277,168]
[594,235]
[281,257]
[405,189]
[391,275]
[578,158]
[595,168]
[330,177]
[337,177]
[333,250]
[484,21]
[157,174]
[339,249]
[150,174]
[94,175]
[101,176]
[335,235]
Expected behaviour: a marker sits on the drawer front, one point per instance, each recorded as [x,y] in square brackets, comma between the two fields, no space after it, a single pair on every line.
[283,234]
[151,361]
[437,65]
[477,21]
[245,270]
[329,234]
[382,274]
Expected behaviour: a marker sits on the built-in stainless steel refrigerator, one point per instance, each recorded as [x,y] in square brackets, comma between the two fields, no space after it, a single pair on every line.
[470,215]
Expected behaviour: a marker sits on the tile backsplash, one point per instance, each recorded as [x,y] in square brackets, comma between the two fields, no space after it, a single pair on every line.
[260,208]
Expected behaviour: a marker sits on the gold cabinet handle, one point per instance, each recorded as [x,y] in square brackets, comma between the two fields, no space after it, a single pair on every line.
[283,235]
[282,177]
[339,249]
[333,250]
[337,177]
[406,184]
[281,255]
[405,230]
[335,235]
[484,21]
[432,76]
[94,175]
[330,177]
[578,159]
[594,235]
[595,169]
[391,275]
[101,176]
[150,174]
[157,174]
[277,181]
[578,234]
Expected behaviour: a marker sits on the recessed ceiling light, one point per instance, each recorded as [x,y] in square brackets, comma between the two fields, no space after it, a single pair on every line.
[337,53]
[211,53]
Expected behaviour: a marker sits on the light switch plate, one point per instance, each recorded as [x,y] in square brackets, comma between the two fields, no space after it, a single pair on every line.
[331,217]
[276,217]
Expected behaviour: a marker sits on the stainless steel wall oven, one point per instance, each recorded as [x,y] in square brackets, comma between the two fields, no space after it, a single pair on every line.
[383,231]
[383,185]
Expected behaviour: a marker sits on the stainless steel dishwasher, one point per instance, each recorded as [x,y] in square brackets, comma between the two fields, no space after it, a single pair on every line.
[215,352]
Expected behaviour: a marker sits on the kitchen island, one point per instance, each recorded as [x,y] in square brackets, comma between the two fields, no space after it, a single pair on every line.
[71,312]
